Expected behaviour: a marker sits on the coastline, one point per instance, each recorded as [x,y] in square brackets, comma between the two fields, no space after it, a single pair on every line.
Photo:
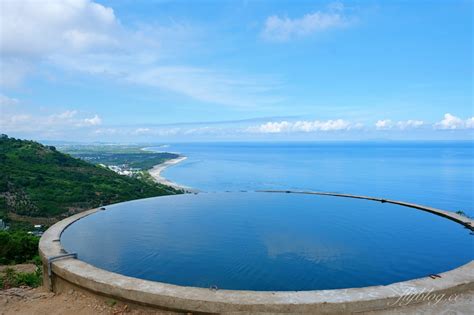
[155,172]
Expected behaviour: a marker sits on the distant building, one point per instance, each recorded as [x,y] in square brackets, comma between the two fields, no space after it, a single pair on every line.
[3,226]
[123,169]
[36,233]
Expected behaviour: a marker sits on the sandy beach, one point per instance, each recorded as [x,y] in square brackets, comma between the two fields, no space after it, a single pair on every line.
[155,172]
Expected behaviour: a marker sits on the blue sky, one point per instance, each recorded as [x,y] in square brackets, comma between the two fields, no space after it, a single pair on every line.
[159,71]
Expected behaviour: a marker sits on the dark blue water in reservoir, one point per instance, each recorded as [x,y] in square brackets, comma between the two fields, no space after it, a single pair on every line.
[438,174]
[268,241]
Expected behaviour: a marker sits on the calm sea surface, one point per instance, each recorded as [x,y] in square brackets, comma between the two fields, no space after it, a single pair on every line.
[278,241]
[438,174]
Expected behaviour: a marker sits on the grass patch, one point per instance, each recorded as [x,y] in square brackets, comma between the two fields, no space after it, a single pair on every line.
[9,278]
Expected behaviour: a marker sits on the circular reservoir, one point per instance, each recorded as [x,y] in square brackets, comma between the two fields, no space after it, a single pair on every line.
[268,241]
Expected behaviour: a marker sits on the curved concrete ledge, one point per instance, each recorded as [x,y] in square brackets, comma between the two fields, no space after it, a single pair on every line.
[199,300]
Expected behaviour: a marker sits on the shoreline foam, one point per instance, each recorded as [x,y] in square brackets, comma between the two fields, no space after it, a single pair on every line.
[156,171]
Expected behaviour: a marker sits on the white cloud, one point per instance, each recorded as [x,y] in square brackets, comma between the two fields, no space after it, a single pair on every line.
[329,125]
[451,122]
[410,124]
[198,83]
[19,119]
[31,30]
[173,131]
[384,124]
[141,131]
[66,115]
[31,27]
[106,131]
[387,124]
[166,132]
[93,121]
[84,36]
[7,101]
[210,86]
[273,127]
[304,126]
[150,131]
[470,123]
[282,29]
[16,120]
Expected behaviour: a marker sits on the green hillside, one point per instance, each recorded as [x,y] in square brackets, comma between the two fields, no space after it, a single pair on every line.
[39,181]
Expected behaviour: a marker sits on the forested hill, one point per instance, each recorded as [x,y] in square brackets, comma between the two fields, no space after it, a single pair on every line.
[39,181]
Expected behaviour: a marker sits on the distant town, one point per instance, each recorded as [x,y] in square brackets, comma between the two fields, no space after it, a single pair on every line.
[37,230]
[128,160]
[124,169]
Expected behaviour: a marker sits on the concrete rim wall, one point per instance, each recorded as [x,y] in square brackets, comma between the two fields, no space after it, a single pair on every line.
[201,300]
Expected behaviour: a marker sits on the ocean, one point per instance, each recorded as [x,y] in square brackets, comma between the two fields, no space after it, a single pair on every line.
[225,238]
[437,174]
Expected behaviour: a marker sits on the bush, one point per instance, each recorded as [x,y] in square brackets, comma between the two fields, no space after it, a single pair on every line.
[9,278]
[32,279]
[17,247]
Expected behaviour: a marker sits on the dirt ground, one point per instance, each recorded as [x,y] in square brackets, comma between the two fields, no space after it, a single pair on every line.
[20,268]
[27,301]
